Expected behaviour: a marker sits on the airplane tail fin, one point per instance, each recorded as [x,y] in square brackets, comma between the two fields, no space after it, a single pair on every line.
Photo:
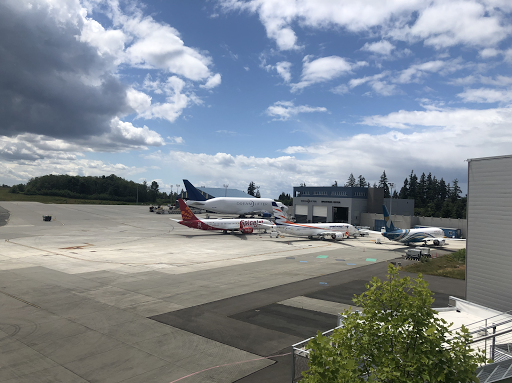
[387,218]
[186,213]
[193,193]
[278,214]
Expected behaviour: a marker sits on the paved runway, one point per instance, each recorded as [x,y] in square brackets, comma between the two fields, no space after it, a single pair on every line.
[117,294]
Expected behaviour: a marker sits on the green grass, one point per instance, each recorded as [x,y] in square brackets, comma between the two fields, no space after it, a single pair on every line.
[450,265]
[6,196]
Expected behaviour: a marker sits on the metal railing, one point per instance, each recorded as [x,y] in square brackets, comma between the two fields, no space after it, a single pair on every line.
[300,356]
[494,335]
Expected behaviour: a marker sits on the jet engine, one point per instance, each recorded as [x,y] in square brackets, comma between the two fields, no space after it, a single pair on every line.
[246,230]
[438,242]
[338,236]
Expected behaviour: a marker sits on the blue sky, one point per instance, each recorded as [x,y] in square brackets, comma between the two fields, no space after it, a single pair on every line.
[271,91]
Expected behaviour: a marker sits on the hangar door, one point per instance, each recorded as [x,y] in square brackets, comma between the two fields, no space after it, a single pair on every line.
[340,214]
[319,214]
[301,213]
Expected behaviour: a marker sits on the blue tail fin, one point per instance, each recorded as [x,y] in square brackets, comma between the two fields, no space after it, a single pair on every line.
[387,218]
[193,193]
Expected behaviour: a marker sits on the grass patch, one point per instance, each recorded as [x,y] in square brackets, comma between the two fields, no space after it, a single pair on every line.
[6,196]
[450,265]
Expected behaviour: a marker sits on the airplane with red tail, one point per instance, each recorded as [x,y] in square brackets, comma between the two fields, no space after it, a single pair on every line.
[245,226]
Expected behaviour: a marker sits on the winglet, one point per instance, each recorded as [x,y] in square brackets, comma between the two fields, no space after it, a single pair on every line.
[186,213]
[387,218]
[193,193]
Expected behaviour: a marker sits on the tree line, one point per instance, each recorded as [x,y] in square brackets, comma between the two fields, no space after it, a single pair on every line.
[432,197]
[107,188]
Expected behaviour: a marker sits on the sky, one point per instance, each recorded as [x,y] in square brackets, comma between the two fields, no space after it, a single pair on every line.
[277,92]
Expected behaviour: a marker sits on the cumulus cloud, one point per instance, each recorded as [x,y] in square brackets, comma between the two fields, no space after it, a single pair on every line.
[382,47]
[59,73]
[284,110]
[324,69]
[212,82]
[50,83]
[440,23]
[435,140]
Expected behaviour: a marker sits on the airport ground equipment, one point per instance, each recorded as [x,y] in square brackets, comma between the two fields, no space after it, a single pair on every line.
[417,253]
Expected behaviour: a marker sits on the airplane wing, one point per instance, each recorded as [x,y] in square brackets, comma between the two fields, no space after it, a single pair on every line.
[370,233]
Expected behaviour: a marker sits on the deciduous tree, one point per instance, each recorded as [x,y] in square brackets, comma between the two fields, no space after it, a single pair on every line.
[397,338]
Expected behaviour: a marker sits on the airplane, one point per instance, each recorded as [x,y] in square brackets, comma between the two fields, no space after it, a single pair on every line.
[426,235]
[230,205]
[245,226]
[336,231]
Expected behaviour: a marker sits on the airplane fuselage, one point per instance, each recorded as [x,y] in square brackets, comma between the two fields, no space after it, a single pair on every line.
[226,224]
[233,205]
[413,235]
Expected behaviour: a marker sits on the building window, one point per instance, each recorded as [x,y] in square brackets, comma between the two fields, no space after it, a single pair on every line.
[320,193]
[340,193]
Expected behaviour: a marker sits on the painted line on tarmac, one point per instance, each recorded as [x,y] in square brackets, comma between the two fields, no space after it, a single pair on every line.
[231,364]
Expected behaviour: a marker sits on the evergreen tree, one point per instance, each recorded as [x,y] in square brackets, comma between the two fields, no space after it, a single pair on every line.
[361,182]
[257,195]
[455,191]
[252,188]
[404,191]
[422,187]
[442,191]
[335,184]
[351,182]
[413,186]
[383,183]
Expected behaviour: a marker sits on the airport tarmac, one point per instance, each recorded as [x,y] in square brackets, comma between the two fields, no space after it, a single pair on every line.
[106,293]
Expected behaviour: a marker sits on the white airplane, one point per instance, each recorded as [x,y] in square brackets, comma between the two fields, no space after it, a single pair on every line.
[336,231]
[245,226]
[230,205]
[433,235]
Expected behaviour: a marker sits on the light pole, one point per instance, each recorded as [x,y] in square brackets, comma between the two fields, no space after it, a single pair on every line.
[391,186]
[225,190]
[171,194]
[177,188]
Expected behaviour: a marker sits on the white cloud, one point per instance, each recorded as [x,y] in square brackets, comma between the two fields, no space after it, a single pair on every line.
[340,89]
[176,140]
[489,52]
[377,83]
[382,47]
[486,95]
[127,134]
[447,23]
[170,110]
[438,23]
[284,110]
[416,72]
[212,82]
[324,69]
[283,69]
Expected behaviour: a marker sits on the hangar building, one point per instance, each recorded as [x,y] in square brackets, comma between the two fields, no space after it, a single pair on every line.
[489,243]
[343,204]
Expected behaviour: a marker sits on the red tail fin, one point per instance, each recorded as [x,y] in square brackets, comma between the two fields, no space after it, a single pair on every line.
[186,213]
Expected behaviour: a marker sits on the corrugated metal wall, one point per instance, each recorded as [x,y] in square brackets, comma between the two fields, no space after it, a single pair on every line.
[489,244]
